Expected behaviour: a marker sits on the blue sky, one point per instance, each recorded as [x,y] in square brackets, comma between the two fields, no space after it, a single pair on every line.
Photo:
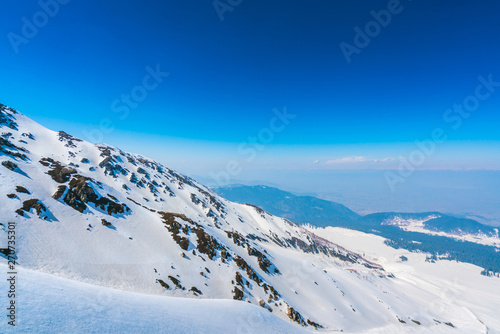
[227,76]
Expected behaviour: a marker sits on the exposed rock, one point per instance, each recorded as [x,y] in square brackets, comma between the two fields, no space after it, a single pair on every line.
[163,284]
[176,282]
[112,168]
[28,135]
[5,251]
[58,172]
[237,294]
[259,210]
[207,244]
[60,191]
[81,192]
[213,201]
[22,190]
[140,170]
[238,279]
[12,150]
[238,239]
[36,204]
[133,178]
[7,118]
[169,191]
[104,222]
[295,316]
[131,160]
[195,199]
[69,139]
[243,265]
[196,291]
[263,261]
[274,293]
[9,165]
[314,324]
[174,227]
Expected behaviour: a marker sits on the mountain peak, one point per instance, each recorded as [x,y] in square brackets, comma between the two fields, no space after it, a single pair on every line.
[99,215]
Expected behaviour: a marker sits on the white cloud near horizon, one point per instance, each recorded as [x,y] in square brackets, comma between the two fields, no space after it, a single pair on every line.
[357,160]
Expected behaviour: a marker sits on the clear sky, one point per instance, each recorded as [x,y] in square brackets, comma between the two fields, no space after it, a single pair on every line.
[360,100]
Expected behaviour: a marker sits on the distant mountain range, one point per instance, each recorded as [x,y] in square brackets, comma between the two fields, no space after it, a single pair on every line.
[299,209]
[322,213]
[462,239]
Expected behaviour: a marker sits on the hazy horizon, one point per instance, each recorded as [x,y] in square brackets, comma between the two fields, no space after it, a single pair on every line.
[471,194]
[307,98]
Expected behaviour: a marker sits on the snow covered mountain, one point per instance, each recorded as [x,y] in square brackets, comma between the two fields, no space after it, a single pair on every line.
[97,215]
[436,223]
[323,213]
[299,209]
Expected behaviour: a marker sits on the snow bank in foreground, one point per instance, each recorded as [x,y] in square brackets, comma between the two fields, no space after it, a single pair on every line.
[48,304]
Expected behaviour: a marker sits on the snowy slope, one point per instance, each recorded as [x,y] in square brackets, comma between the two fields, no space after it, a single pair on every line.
[456,288]
[98,215]
[49,304]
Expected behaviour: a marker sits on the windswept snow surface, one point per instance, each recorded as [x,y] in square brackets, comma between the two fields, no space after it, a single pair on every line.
[454,288]
[48,304]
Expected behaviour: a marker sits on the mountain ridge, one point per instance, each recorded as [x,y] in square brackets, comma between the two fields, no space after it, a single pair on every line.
[301,209]
[266,197]
[96,214]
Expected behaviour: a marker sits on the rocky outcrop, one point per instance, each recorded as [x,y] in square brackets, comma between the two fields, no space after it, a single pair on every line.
[35,204]
[58,172]
[81,192]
